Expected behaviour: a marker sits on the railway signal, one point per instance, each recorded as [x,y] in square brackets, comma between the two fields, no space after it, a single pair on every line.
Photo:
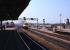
[24,18]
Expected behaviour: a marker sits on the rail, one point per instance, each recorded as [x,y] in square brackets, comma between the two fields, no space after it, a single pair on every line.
[32,45]
[57,41]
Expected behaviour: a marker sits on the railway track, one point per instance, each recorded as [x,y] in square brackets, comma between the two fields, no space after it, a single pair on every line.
[33,45]
[63,33]
[14,40]
[55,39]
[58,34]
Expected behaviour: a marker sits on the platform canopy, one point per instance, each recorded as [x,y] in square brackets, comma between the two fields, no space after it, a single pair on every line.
[11,9]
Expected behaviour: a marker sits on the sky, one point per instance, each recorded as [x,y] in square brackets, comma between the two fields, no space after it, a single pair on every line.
[49,10]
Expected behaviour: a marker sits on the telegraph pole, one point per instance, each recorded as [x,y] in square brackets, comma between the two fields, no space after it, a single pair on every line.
[60,21]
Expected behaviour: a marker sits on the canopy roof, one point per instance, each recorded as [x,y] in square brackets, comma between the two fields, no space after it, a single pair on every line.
[11,9]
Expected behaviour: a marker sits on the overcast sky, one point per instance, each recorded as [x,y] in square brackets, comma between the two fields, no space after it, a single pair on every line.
[48,9]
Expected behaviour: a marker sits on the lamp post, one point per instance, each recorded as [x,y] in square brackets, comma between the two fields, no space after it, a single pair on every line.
[60,21]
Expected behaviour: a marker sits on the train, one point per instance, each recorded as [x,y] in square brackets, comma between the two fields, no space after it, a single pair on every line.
[25,26]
